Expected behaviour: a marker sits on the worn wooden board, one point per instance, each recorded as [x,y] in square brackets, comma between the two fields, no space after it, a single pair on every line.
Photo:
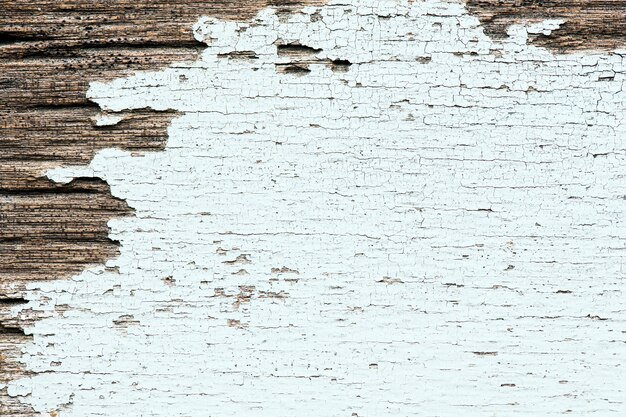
[586,24]
[49,53]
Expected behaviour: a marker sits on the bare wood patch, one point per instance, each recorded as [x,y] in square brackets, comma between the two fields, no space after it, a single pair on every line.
[588,24]
[49,53]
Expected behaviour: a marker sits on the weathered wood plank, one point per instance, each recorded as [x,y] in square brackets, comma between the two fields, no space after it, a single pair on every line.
[587,24]
[439,227]
[49,52]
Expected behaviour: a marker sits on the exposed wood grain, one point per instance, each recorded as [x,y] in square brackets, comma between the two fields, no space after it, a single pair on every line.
[51,50]
[451,223]
[49,53]
[589,24]
[10,345]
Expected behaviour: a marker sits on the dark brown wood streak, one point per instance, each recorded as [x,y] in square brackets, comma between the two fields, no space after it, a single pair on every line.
[49,53]
[588,24]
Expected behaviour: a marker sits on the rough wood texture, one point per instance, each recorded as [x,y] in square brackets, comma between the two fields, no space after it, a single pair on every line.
[588,24]
[435,230]
[11,341]
[49,52]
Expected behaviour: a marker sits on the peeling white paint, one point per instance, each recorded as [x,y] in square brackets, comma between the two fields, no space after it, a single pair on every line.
[437,231]
[107,119]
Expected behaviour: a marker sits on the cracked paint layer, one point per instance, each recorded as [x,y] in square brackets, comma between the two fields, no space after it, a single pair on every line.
[368,208]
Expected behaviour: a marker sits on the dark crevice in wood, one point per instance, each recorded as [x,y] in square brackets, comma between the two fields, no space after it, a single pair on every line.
[294,69]
[48,50]
[239,55]
[11,330]
[61,106]
[340,65]
[12,301]
[296,50]
[8,38]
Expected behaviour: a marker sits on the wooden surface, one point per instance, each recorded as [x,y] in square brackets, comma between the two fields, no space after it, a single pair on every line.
[49,53]
[588,24]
